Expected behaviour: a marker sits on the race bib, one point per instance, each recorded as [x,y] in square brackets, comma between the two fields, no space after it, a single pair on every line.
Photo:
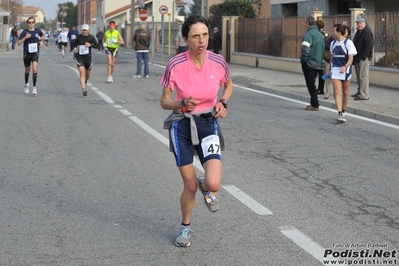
[32,47]
[83,49]
[112,41]
[210,145]
[73,37]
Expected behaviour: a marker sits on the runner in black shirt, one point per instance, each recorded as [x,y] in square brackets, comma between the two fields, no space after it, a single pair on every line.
[84,43]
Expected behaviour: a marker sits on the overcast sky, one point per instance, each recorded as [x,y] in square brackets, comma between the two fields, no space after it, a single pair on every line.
[48,6]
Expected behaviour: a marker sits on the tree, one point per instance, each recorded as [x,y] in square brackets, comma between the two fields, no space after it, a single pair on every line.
[195,8]
[67,14]
[182,11]
[232,8]
[15,7]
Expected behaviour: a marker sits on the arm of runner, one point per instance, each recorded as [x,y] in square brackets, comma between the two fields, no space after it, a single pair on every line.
[121,41]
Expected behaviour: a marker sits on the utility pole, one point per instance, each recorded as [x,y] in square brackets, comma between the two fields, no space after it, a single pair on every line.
[132,10]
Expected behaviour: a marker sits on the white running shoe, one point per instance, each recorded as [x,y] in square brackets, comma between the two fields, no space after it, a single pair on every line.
[26,89]
[136,76]
[34,91]
[341,117]
[147,76]
[110,80]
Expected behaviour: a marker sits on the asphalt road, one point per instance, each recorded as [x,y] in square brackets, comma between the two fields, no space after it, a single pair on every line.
[90,181]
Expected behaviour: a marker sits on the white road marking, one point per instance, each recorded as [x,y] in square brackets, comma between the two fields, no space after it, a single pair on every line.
[321,107]
[117,106]
[104,96]
[150,130]
[247,200]
[304,242]
[125,112]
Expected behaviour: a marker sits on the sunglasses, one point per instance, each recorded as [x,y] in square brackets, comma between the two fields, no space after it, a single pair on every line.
[31,22]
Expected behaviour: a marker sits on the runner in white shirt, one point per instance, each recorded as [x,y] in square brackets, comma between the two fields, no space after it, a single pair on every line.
[46,37]
[64,41]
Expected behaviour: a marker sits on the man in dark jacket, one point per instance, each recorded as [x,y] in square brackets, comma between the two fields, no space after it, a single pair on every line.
[100,36]
[217,40]
[363,41]
[14,37]
[142,47]
[312,52]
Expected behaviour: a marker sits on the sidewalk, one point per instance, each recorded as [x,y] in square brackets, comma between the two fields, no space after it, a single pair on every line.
[383,104]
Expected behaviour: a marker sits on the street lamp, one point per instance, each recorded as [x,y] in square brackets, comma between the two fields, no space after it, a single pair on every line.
[55,14]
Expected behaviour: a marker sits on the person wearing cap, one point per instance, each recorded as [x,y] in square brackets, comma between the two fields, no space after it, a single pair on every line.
[142,44]
[217,40]
[364,42]
[112,39]
[312,53]
[82,49]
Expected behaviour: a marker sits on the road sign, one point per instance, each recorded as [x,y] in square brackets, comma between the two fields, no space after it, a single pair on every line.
[163,9]
[143,15]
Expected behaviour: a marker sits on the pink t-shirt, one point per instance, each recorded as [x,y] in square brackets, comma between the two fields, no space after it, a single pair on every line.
[202,84]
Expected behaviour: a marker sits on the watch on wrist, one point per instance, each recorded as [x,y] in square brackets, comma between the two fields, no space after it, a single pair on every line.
[183,107]
[224,102]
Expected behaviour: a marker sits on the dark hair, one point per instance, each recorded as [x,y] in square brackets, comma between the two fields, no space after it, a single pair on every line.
[31,18]
[319,24]
[193,19]
[111,22]
[310,20]
[340,28]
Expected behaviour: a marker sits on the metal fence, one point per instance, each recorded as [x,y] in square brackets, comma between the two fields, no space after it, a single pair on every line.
[281,37]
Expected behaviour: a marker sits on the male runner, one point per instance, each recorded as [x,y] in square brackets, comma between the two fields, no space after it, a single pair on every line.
[46,37]
[112,39]
[64,41]
[32,39]
[84,43]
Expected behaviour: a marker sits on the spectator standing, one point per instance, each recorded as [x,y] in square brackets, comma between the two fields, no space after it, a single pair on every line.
[14,37]
[217,40]
[320,73]
[364,42]
[312,52]
[180,45]
[142,45]
[100,36]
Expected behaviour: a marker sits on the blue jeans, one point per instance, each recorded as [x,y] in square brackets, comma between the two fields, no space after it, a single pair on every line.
[14,42]
[140,57]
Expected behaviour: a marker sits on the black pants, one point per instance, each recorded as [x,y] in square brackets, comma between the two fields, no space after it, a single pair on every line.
[100,45]
[72,45]
[310,75]
[320,73]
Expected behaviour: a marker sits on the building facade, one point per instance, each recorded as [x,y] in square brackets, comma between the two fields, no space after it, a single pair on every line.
[302,8]
[87,12]
[31,11]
